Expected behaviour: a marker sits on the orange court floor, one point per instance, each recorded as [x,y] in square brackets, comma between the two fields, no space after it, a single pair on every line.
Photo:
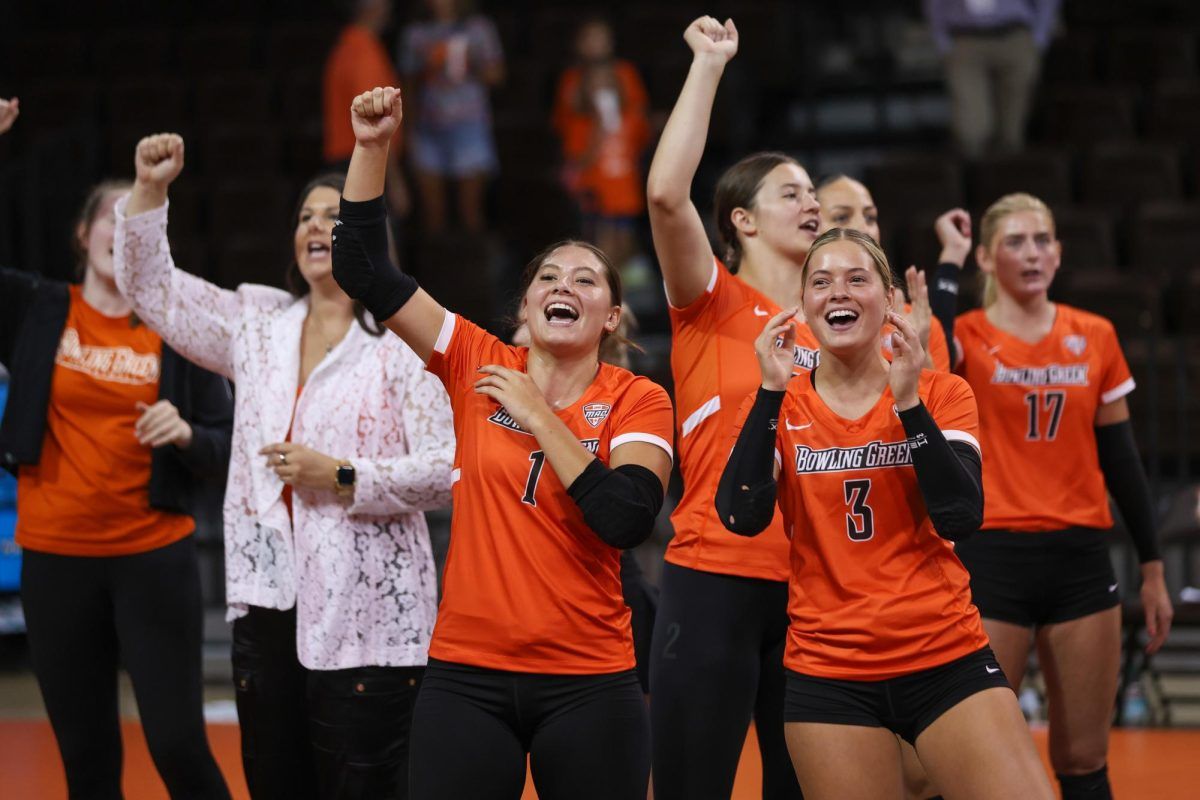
[1145,764]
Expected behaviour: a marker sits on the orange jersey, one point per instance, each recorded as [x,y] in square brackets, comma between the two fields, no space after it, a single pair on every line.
[875,593]
[714,367]
[89,493]
[1037,410]
[529,587]
[357,63]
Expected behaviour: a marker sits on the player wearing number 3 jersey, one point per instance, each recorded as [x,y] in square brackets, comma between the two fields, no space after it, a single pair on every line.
[876,468]
[561,461]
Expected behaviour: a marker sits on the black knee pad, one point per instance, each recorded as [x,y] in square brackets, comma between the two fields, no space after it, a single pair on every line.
[1092,786]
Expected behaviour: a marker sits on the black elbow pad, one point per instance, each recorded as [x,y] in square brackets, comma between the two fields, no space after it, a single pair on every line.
[620,504]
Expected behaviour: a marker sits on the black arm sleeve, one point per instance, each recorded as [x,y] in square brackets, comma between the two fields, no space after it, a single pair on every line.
[620,504]
[212,425]
[950,476]
[943,302]
[746,493]
[361,265]
[1126,481]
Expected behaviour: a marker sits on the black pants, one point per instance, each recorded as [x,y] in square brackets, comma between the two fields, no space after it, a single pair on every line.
[716,661]
[87,614]
[586,735]
[318,733]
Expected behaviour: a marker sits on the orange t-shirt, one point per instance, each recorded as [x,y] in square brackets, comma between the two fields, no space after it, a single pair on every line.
[714,366]
[875,593]
[358,62]
[89,493]
[1037,410]
[529,587]
[613,176]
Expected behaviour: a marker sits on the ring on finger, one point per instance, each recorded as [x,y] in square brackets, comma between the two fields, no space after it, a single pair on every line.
[283,458]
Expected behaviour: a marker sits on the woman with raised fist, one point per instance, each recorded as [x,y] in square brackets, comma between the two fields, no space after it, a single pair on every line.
[340,440]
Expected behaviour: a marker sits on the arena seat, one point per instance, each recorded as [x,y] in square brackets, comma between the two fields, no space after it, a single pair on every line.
[1165,237]
[1123,175]
[1145,56]
[1046,174]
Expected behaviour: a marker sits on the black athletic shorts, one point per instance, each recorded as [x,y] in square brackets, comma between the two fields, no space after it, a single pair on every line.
[906,705]
[1042,578]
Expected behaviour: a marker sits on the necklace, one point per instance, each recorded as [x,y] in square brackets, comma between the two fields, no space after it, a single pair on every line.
[322,338]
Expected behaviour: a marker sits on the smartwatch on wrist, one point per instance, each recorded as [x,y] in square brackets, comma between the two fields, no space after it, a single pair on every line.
[343,482]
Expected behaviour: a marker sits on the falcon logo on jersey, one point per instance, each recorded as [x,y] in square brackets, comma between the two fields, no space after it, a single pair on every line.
[595,413]
[1049,375]
[1075,343]
[875,455]
[505,420]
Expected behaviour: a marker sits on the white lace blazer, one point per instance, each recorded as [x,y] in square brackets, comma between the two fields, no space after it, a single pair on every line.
[361,574]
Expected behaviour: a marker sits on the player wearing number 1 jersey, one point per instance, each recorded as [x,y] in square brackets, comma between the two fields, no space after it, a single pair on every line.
[876,468]
[1051,383]
[560,463]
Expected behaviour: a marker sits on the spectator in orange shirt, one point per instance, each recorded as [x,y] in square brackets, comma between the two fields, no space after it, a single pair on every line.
[358,62]
[600,113]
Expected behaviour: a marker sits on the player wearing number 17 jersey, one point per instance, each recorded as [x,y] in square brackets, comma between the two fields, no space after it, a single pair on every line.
[1051,383]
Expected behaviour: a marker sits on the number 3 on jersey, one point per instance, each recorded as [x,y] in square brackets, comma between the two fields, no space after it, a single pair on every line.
[860,520]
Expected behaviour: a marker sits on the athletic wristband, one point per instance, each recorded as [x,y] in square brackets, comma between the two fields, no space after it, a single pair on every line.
[361,265]
[949,475]
[943,301]
[620,505]
[747,490]
[1125,479]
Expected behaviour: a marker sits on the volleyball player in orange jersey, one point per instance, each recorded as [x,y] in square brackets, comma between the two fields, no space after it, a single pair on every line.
[561,460]
[1051,383]
[716,656]
[847,203]
[877,470]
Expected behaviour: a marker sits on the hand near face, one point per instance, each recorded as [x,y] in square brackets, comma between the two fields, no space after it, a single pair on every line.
[514,390]
[775,348]
[908,358]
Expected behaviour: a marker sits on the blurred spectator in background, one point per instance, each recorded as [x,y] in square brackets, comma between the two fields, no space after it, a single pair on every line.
[600,113]
[993,53]
[359,61]
[9,111]
[449,62]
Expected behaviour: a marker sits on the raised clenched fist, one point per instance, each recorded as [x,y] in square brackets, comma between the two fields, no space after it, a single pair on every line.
[709,37]
[158,159]
[375,115]
[9,111]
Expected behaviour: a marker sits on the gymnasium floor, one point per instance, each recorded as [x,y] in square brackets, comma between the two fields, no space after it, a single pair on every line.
[1145,764]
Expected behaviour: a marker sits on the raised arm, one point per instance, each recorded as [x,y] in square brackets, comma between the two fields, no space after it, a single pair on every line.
[680,240]
[953,230]
[195,317]
[361,265]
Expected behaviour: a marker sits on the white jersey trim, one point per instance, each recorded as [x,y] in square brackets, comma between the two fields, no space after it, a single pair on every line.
[455,475]
[1117,392]
[648,438]
[963,436]
[712,282]
[710,406]
[447,331]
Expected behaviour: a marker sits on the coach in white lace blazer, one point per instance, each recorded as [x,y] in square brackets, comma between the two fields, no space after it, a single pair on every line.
[348,421]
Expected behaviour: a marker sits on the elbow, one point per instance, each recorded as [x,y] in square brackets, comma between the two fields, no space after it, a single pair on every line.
[743,519]
[664,195]
[629,532]
[960,522]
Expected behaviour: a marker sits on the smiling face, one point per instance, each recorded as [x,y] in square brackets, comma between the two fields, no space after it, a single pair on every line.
[313,239]
[846,298]
[785,216]
[846,203]
[1023,254]
[568,305]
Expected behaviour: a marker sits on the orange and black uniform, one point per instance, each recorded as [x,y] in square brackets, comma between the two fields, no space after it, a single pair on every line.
[1047,504]
[878,602]
[532,650]
[109,568]
[716,657]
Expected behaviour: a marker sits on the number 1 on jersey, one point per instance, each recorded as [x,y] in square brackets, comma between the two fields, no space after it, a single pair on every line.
[860,520]
[1052,401]
[535,472]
